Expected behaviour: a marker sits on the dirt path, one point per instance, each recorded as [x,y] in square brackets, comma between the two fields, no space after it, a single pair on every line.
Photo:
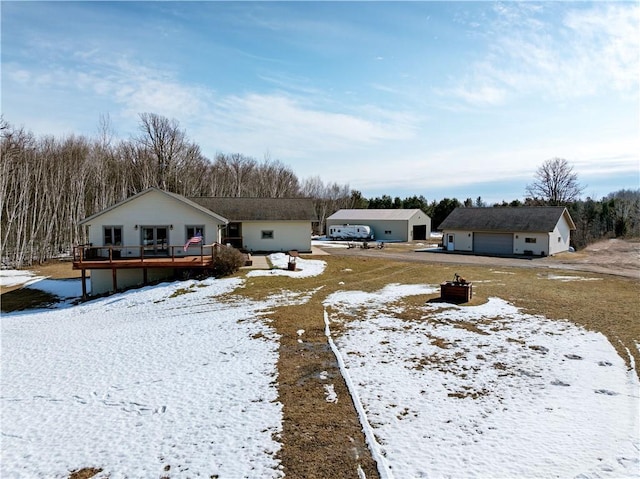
[614,256]
[322,436]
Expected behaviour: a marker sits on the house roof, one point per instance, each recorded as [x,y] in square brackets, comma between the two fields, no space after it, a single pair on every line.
[180,198]
[260,209]
[525,219]
[350,215]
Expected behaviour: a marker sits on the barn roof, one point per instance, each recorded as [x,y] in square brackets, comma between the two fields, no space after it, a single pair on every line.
[351,215]
[525,219]
[259,209]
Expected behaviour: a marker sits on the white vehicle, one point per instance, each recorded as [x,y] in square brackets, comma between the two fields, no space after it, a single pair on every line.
[350,232]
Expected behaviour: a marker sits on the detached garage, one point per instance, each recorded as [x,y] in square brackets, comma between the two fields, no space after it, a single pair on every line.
[538,231]
[387,224]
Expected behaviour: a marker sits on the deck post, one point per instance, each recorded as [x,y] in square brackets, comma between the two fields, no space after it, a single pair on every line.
[115,279]
[84,283]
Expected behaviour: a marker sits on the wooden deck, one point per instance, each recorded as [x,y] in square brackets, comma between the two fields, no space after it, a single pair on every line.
[114,258]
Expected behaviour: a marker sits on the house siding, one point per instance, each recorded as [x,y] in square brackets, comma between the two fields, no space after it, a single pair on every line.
[287,235]
[102,279]
[153,209]
[540,247]
[462,240]
[559,240]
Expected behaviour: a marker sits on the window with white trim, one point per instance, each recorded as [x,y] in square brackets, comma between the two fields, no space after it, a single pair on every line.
[112,235]
[193,230]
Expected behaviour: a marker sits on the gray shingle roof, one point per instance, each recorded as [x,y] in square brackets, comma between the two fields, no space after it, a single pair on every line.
[260,209]
[525,219]
[374,214]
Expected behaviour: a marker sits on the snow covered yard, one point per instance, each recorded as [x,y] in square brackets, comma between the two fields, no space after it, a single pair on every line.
[485,391]
[167,378]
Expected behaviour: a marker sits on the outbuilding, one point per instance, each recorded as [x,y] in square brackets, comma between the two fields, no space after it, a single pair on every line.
[529,231]
[387,224]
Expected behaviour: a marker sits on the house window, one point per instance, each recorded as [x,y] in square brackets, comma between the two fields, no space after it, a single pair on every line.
[195,230]
[530,240]
[267,234]
[559,239]
[113,235]
[387,232]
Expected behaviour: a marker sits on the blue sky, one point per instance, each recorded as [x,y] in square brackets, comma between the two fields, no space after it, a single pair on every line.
[440,99]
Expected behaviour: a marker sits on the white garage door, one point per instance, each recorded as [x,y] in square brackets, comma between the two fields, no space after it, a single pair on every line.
[493,243]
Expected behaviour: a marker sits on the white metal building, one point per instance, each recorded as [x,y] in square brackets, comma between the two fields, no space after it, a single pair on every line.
[387,224]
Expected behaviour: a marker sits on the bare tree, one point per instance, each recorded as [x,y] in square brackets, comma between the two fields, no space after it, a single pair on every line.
[556,183]
[275,180]
[165,140]
[327,199]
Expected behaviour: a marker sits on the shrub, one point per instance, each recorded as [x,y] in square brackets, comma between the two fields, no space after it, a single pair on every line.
[227,261]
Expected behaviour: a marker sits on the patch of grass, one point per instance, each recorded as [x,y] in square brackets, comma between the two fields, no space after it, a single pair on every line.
[181,291]
[84,473]
[26,298]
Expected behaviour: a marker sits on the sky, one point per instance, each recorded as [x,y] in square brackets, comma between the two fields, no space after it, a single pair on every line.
[434,98]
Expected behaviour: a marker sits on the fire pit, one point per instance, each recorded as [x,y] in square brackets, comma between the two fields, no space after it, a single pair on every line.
[459,290]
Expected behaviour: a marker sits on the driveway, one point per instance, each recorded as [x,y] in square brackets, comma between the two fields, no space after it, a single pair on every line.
[616,257]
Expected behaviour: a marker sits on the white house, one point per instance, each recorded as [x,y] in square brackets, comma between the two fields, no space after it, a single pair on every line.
[537,230]
[264,224]
[387,224]
[146,237]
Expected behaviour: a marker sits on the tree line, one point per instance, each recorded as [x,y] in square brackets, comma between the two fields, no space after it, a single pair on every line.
[49,184]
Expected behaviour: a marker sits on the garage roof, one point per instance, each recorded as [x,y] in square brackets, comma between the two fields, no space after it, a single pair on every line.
[528,218]
[369,215]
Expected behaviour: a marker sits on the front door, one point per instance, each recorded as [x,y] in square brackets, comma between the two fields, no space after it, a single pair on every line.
[155,240]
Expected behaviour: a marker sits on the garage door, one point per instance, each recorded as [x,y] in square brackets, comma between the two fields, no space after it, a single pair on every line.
[493,243]
[419,232]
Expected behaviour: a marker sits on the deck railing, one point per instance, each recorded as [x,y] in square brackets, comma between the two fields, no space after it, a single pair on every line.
[113,254]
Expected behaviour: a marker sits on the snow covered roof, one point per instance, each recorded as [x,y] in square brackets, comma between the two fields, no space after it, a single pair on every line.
[352,215]
[528,218]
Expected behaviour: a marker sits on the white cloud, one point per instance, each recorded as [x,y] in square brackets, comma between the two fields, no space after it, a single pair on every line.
[590,51]
[291,127]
